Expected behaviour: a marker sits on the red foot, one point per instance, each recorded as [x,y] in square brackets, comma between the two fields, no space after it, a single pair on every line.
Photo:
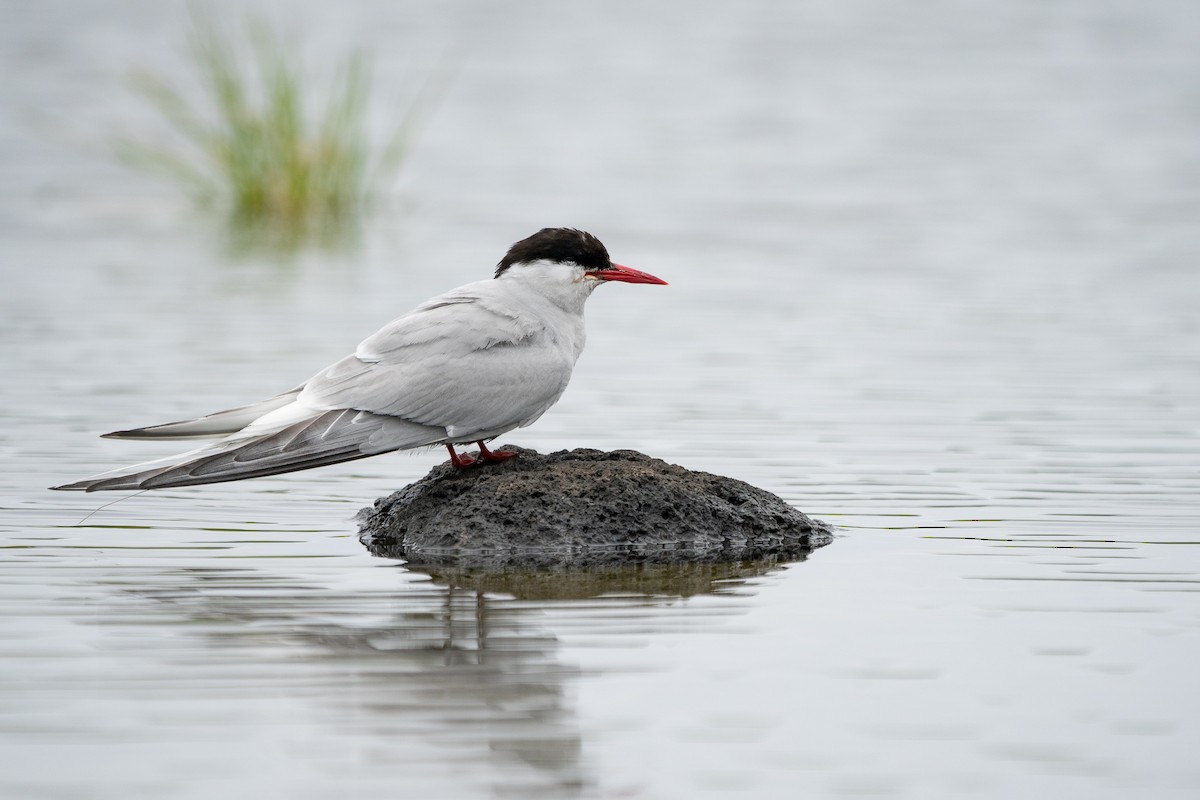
[488,455]
[461,462]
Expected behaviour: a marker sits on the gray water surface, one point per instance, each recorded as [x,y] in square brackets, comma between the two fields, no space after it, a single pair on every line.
[933,279]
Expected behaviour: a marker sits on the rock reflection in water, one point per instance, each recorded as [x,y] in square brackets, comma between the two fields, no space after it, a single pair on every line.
[564,564]
[642,579]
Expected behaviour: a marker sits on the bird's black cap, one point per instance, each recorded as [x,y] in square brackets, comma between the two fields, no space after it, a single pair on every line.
[558,244]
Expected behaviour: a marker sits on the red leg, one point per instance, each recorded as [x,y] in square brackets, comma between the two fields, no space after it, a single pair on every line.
[461,462]
[488,455]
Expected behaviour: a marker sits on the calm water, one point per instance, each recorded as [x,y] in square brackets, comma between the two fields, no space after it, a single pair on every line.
[934,280]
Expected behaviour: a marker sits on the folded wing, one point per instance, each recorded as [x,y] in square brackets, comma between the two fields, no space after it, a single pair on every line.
[462,362]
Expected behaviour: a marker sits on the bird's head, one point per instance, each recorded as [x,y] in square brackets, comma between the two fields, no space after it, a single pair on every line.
[566,256]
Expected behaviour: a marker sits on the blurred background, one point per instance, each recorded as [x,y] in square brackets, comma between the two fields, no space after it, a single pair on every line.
[934,279]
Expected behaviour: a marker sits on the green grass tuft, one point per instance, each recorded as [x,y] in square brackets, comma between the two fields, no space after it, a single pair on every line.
[254,145]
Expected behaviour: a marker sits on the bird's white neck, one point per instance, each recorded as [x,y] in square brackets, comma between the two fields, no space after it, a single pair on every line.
[564,285]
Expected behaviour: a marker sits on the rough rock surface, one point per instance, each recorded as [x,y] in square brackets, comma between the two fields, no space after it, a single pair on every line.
[583,508]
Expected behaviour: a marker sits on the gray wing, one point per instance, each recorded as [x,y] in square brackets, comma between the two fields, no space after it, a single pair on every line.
[462,362]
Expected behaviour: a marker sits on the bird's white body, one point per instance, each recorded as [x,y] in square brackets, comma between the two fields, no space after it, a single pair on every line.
[469,364]
[465,366]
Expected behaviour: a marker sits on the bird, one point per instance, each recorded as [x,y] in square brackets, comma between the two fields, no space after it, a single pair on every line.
[464,366]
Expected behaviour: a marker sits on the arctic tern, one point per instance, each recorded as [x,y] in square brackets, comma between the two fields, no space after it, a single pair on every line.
[465,366]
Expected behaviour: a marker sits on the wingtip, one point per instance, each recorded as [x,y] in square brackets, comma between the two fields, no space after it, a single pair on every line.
[80,486]
[98,484]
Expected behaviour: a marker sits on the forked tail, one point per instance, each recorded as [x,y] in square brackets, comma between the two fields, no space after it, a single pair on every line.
[327,438]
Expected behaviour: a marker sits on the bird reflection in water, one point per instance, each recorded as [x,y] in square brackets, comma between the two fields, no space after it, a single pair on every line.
[448,672]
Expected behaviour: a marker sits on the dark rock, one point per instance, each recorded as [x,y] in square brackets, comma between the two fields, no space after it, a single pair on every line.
[583,508]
